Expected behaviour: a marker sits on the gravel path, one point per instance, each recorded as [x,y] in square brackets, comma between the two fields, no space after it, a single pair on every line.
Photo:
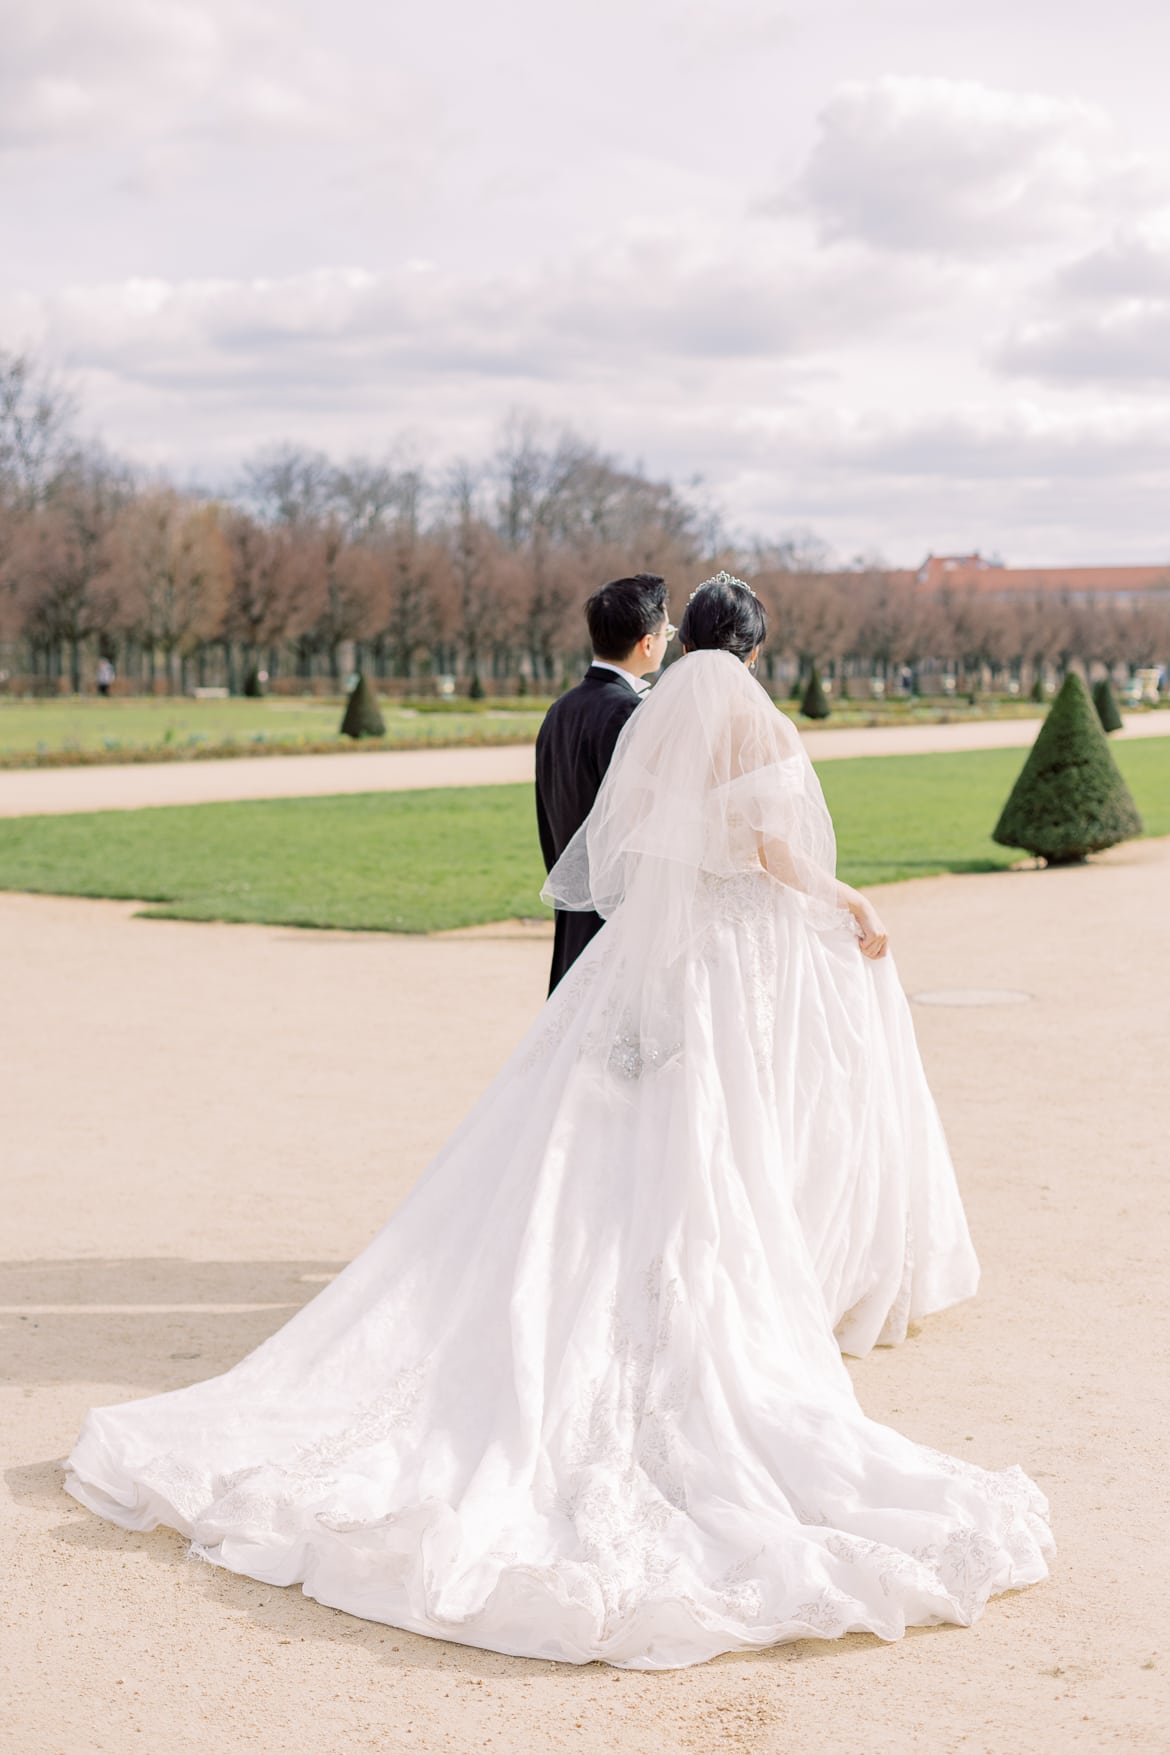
[201,1123]
[29,792]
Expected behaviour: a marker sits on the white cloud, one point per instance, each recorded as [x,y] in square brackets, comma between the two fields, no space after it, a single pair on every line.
[559,209]
[991,443]
[652,302]
[1133,264]
[137,71]
[668,355]
[1040,486]
[1127,344]
[736,28]
[1101,319]
[955,168]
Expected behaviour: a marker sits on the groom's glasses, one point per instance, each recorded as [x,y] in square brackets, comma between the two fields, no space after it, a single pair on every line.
[670,630]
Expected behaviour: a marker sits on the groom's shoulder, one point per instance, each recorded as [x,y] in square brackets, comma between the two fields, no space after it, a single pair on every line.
[599,695]
[587,711]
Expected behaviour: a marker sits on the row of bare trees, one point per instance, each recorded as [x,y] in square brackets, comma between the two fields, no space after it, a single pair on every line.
[867,623]
[308,566]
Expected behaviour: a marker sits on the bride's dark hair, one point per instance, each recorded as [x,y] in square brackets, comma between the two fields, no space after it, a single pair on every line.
[724,616]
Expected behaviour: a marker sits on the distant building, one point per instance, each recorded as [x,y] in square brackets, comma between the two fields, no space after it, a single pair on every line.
[991,578]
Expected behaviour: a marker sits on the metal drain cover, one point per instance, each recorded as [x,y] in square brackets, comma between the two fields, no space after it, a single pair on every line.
[972,996]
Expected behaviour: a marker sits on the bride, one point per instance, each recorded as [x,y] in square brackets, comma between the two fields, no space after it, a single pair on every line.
[581,1398]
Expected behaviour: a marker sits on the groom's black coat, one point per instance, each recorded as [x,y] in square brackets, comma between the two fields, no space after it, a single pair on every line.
[573,751]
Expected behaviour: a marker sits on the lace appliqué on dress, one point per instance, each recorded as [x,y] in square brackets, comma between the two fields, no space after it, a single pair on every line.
[622,1040]
[626,1482]
[559,1013]
[261,1497]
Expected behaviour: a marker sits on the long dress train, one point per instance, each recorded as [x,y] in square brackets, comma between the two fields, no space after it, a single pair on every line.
[581,1398]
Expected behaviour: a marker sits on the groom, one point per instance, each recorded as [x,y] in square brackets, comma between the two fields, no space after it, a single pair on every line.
[629,633]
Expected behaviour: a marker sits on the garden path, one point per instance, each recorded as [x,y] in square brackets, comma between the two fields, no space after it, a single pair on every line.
[202,1122]
[30,792]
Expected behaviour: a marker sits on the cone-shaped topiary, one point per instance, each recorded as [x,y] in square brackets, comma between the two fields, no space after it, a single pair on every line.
[475,692]
[252,684]
[362,718]
[1105,702]
[1070,798]
[814,703]
[1038,692]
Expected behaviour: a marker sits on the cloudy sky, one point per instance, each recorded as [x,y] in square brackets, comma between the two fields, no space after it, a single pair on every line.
[892,271]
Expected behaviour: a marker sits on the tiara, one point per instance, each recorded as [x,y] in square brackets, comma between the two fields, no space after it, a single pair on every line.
[721,578]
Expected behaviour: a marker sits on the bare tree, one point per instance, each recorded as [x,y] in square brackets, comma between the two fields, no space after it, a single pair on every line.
[476,565]
[1036,632]
[409,563]
[289,485]
[367,497]
[173,571]
[890,618]
[810,614]
[263,597]
[36,431]
[1147,632]
[296,490]
[571,516]
[483,565]
[66,585]
[782,574]
[36,442]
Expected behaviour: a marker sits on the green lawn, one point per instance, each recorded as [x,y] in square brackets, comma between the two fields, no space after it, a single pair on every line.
[908,816]
[79,729]
[82,729]
[422,861]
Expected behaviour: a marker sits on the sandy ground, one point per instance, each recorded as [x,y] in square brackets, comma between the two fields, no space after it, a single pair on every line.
[201,1123]
[25,792]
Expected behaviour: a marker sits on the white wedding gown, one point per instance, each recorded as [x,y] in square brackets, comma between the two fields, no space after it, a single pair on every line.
[581,1397]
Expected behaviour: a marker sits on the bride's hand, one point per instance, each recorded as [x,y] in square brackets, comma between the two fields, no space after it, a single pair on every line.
[873,939]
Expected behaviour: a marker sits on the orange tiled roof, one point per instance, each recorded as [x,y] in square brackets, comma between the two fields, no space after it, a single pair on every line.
[972,572]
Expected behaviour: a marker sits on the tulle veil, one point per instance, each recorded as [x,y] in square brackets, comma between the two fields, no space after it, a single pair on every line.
[709,785]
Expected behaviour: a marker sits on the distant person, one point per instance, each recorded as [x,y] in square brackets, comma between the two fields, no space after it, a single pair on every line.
[629,632]
[105,676]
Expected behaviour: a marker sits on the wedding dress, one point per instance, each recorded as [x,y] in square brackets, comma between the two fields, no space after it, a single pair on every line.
[581,1397]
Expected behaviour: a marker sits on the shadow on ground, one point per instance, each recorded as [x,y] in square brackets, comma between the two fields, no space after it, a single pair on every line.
[151,1325]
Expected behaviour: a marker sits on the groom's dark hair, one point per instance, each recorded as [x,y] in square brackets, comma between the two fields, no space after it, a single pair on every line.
[623,612]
